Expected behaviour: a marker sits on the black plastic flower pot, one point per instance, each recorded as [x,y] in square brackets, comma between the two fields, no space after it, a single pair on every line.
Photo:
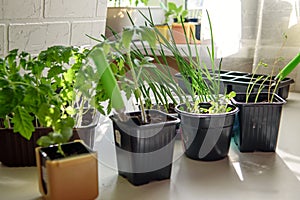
[258,122]
[145,151]
[206,137]
[16,151]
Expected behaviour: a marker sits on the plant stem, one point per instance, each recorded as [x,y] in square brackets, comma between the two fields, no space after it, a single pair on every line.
[136,87]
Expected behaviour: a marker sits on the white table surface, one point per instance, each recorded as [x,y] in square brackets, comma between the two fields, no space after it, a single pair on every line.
[239,176]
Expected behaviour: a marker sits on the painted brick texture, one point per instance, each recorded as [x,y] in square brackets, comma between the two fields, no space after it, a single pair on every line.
[34,25]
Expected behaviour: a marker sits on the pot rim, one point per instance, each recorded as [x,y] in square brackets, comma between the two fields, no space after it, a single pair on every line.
[279,100]
[182,112]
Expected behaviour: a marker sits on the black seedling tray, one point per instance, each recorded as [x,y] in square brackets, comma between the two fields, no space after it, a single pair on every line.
[239,81]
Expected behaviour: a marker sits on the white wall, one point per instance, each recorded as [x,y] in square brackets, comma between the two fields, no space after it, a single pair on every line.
[249,31]
[34,25]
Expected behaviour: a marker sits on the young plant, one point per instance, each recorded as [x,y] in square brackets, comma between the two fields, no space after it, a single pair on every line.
[118,55]
[202,82]
[64,64]
[171,10]
[37,91]
[273,82]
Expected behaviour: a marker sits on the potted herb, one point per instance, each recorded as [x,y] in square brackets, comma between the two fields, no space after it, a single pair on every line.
[72,174]
[38,93]
[207,119]
[57,163]
[260,112]
[180,25]
[144,138]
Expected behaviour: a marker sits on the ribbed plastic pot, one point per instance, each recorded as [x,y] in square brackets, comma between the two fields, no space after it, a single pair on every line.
[258,122]
[16,151]
[145,152]
[206,136]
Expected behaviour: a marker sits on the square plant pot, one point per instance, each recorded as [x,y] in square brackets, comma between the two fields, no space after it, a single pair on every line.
[164,31]
[206,137]
[258,123]
[178,32]
[145,151]
[74,176]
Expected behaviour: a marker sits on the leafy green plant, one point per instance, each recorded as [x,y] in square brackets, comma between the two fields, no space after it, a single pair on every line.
[134,69]
[38,91]
[28,96]
[171,10]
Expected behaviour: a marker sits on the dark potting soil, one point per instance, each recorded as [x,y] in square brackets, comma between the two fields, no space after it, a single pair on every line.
[152,118]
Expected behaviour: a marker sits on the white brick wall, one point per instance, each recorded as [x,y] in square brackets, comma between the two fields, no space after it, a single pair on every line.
[34,37]
[70,8]
[92,28]
[21,9]
[34,25]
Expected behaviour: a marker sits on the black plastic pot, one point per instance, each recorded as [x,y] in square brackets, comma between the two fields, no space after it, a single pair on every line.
[145,152]
[258,122]
[206,136]
[16,151]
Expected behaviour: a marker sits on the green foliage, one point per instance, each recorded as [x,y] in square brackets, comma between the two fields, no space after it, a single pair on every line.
[39,91]
[202,82]
[288,68]
[171,10]
[113,59]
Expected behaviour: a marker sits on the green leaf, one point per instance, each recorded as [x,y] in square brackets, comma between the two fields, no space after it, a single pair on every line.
[47,115]
[45,141]
[231,95]
[69,75]
[55,71]
[288,68]
[56,137]
[172,6]
[7,101]
[184,14]
[22,121]
[37,68]
[148,34]
[66,133]
[107,78]
[127,38]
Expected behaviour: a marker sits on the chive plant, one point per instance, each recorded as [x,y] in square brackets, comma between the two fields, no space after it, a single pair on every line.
[202,82]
